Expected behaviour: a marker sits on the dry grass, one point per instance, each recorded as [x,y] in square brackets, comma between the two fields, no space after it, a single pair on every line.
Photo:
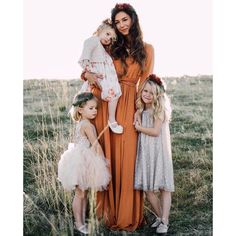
[48,129]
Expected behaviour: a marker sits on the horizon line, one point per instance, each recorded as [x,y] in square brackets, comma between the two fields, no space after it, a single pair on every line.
[73,78]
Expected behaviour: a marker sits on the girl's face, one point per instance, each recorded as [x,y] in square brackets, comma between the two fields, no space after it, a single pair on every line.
[147,94]
[106,36]
[89,111]
[123,22]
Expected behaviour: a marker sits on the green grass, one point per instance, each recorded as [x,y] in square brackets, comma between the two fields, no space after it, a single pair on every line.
[48,129]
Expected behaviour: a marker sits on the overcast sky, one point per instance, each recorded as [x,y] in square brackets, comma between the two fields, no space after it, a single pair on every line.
[54,31]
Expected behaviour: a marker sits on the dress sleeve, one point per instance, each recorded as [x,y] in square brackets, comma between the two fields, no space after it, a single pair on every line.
[88,47]
[148,65]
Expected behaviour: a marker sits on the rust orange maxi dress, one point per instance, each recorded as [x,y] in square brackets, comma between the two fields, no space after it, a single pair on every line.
[121,207]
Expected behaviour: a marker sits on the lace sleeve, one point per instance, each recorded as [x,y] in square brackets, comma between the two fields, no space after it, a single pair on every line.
[86,65]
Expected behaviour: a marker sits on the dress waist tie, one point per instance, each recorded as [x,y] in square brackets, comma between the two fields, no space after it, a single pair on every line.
[129,83]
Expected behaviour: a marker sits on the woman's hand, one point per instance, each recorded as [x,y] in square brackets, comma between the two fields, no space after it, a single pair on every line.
[93,79]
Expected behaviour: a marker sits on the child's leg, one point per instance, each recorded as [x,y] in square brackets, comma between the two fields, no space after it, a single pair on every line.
[85,202]
[77,206]
[114,126]
[155,202]
[166,204]
[112,110]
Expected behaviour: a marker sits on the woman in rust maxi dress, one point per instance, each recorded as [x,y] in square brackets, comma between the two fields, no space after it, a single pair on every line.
[121,207]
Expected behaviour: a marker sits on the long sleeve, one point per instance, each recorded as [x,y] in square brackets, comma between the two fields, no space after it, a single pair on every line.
[88,47]
[148,65]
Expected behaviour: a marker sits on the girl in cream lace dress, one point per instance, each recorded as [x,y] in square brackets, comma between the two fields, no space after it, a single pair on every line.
[83,165]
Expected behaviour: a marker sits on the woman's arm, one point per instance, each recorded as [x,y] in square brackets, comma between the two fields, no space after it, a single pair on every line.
[155,131]
[148,65]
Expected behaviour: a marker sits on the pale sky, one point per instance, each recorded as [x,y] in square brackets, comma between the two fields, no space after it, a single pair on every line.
[54,30]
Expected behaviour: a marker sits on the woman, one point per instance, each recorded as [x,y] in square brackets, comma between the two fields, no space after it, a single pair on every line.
[121,206]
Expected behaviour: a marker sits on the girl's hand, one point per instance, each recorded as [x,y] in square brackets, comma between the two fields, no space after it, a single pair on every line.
[137,117]
[93,79]
[137,126]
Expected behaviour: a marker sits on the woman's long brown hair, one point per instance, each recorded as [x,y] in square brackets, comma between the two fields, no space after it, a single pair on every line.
[137,50]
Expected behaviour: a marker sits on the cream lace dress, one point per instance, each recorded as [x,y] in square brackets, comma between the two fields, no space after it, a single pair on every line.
[80,165]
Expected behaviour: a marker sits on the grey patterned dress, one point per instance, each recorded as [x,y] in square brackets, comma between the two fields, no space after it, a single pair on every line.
[153,168]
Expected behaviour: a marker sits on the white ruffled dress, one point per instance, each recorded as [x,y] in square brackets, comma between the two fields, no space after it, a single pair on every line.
[95,59]
[80,166]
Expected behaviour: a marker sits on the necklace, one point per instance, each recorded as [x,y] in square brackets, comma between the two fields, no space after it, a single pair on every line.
[128,50]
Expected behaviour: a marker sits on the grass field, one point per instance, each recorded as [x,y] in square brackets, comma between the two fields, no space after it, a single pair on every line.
[48,129]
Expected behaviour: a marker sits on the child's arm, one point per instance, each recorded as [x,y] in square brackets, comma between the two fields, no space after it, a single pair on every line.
[137,117]
[88,48]
[155,131]
[92,137]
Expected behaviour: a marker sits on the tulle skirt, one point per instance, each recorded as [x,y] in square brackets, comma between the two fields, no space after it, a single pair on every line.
[80,166]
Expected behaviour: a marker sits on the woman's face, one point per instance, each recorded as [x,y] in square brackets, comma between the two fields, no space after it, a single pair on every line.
[123,22]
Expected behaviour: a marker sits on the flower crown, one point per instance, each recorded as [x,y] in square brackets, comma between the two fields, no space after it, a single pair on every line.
[156,80]
[122,6]
[82,98]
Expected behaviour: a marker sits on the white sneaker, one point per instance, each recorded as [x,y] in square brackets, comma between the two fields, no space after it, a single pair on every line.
[82,229]
[118,129]
[156,222]
[162,228]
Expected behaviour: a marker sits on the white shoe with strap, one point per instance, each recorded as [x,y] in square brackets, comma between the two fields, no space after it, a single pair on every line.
[162,228]
[156,222]
[118,129]
[82,229]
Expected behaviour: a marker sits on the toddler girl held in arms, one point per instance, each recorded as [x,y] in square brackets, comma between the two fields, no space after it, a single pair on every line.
[95,59]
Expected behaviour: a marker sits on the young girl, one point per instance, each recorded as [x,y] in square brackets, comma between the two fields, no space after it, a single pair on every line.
[83,165]
[153,169]
[95,59]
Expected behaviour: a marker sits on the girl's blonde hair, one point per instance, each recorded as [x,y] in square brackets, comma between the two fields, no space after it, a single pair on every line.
[80,101]
[104,25]
[161,102]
